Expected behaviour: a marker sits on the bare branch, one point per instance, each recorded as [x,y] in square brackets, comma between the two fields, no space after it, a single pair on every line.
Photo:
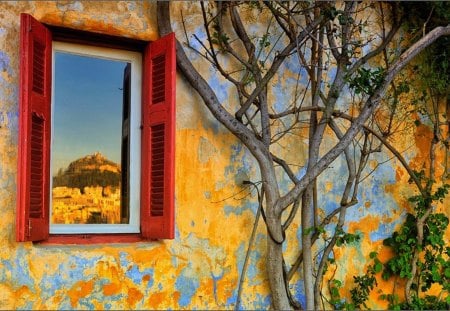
[370,105]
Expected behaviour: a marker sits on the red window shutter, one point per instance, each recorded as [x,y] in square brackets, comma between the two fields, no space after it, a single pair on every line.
[158,140]
[33,187]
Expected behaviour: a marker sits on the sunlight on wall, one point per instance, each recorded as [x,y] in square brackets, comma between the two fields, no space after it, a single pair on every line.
[200,268]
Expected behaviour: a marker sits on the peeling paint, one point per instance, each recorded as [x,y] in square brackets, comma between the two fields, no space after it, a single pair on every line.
[201,267]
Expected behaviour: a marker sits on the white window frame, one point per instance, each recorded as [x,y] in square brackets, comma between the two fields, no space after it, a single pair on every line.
[135,58]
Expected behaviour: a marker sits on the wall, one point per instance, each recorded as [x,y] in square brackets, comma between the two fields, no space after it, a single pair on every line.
[200,268]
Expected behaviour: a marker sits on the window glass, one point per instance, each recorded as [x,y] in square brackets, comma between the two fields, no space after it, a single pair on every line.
[86,151]
[91,148]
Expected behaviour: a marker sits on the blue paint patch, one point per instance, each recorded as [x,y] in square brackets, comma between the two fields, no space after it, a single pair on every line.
[252,269]
[220,88]
[187,287]
[195,44]
[65,276]
[78,265]
[65,304]
[232,300]
[384,231]
[281,97]
[252,273]
[136,275]
[85,303]
[13,117]
[239,254]
[261,302]
[215,279]
[177,233]
[299,293]
[124,262]
[27,306]
[74,6]
[330,206]
[301,172]
[20,270]
[228,209]
[52,282]
[331,73]
[4,62]
[174,261]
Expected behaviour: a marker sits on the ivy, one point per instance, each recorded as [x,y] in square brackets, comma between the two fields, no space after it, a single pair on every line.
[433,265]
[366,81]
[346,238]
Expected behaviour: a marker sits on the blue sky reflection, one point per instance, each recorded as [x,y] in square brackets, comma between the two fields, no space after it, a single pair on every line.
[87,112]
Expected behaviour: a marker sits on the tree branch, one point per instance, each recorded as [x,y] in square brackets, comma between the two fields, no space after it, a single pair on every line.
[368,108]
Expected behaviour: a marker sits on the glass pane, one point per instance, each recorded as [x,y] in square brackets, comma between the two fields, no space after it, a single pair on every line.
[90,140]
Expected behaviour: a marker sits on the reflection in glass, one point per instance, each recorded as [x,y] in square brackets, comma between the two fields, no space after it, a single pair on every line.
[90,140]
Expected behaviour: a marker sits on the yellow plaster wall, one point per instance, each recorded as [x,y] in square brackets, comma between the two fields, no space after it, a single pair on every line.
[200,268]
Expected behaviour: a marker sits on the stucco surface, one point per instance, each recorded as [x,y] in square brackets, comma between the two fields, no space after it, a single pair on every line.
[200,268]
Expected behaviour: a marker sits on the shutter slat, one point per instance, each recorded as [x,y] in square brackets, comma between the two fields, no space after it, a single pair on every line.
[33,186]
[36,176]
[157,170]
[158,79]
[38,67]
[158,146]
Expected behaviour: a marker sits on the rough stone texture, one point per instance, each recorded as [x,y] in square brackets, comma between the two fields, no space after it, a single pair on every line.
[200,268]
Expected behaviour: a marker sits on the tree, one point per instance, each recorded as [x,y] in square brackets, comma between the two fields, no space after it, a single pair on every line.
[328,50]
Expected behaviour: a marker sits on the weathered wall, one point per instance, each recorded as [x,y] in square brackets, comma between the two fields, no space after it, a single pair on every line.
[200,268]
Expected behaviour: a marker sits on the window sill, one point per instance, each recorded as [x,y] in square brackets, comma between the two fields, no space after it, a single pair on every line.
[67,239]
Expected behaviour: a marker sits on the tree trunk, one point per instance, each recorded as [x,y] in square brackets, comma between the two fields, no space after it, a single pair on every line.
[280,300]
[307,231]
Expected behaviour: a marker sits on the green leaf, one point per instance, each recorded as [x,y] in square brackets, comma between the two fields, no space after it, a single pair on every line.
[378,267]
[447,272]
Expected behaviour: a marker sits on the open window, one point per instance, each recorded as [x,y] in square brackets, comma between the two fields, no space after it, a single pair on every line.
[96,151]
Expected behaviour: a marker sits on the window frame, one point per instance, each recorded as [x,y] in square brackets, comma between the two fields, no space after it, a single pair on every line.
[152,226]
[135,60]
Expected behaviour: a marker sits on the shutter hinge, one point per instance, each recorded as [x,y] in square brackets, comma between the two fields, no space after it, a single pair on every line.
[29,227]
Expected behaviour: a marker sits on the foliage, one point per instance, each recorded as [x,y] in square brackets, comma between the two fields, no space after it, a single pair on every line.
[359,294]
[346,238]
[88,172]
[433,265]
[327,44]
[88,178]
[366,81]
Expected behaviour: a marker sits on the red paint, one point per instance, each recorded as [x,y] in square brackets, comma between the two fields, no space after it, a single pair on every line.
[93,238]
[158,111]
[158,141]
[33,184]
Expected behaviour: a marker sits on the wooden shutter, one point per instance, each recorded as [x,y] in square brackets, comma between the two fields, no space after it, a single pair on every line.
[158,140]
[33,187]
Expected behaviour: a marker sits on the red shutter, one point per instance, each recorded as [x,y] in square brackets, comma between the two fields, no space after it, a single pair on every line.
[158,140]
[33,188]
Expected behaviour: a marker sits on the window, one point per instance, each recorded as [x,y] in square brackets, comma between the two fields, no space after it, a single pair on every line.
[140,189]
[95,145]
